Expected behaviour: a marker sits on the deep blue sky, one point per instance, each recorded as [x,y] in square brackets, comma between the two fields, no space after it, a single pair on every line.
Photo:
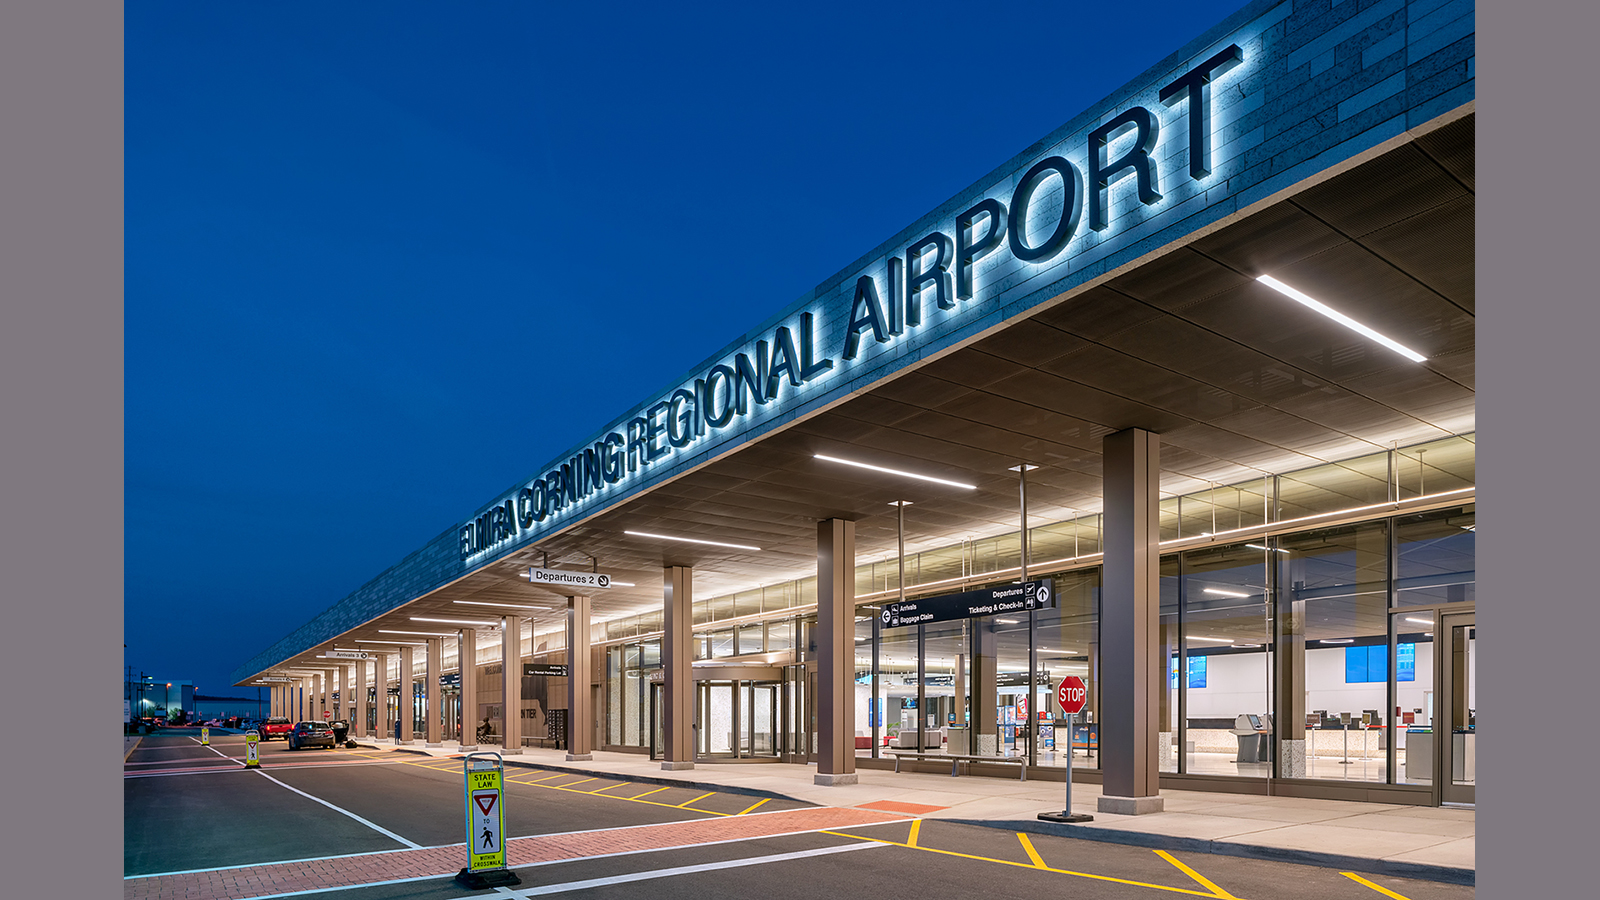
[385,258]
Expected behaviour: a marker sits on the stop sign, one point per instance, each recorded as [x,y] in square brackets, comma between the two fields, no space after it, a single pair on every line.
[1072,695]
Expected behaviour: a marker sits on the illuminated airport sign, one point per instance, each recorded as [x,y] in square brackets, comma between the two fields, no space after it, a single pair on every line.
[1011,598]
[1052,216]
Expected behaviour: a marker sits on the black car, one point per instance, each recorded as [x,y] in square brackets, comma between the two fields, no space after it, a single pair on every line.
[311,734]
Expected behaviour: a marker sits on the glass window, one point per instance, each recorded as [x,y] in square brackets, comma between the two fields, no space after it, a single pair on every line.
[1333,596]
[1436,554]
[721,643]
[1225,668]
[1170,715]
[780,635]
[1069,644]
[752,639]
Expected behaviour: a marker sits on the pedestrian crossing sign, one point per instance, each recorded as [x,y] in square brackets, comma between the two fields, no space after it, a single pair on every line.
[486,820]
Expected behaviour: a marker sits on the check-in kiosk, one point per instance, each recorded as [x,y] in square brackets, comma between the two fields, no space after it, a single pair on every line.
[1253,735]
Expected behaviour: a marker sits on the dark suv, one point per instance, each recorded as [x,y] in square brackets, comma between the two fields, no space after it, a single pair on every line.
[311,734]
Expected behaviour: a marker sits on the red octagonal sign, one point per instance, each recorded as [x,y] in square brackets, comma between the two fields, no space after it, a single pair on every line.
[1072,695]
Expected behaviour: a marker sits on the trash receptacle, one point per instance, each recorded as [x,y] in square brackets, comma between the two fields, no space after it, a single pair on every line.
[341,733]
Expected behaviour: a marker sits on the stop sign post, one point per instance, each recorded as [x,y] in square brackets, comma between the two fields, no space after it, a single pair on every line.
[1072,694]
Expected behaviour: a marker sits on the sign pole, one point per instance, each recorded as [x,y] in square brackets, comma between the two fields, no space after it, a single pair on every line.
[1072,694]
[483,776]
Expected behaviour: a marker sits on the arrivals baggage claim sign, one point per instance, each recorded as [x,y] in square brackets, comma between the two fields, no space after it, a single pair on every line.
[930,282]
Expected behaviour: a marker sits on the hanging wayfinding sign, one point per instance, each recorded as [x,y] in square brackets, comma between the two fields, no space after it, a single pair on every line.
[552,670]
[555,578]
[344,654]
[483,777]
[1010,598]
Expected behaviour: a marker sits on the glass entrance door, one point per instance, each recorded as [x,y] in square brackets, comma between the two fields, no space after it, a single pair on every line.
[1458,709]
[658,717]
[739,719]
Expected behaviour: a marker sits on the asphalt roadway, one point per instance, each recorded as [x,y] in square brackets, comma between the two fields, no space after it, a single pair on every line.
[361,825]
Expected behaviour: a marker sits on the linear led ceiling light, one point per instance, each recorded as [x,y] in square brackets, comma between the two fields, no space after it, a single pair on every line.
[419,633]
[862,465]
[1419,621]
[1265,547]
[478,622]
[1196,637]
[1337,641]
[500,605]
[668,537]
[1341,318]
[1222,593]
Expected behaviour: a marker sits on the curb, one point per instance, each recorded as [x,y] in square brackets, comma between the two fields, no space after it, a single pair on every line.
[1421,871]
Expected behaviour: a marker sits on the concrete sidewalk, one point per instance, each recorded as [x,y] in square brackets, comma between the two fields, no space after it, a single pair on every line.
[1406,841]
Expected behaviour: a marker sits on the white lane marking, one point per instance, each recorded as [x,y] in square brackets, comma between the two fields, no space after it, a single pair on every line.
[339,809]
[225,756]
[578,885]
[542,890]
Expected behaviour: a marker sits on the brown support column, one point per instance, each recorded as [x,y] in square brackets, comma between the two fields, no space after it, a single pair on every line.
[382,723]
[580,707]
[316,697]
[1132,671]
[836,620]
[358,727]
[346,710]
[511,681]
[1289,661]
[430,693]
[677,660]
[467,657]
[407,689]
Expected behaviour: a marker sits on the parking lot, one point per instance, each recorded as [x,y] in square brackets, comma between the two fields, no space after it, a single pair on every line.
[366,823]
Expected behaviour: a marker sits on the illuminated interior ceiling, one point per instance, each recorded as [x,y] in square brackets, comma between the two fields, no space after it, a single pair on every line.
[1238,381]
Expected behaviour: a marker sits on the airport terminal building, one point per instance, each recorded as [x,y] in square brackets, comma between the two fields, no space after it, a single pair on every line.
[1179,401]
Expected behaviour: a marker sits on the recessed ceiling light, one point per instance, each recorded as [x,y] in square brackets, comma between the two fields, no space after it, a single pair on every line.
[478,622]
[501,605]
[900,472]
[1341,318]
[668,537]
[1222,593]
[419,633]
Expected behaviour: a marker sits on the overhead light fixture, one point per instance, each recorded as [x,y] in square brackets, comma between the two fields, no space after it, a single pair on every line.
[900,472]
[1338,641]
[1009,621]
[1419,621]
[1310,303]
[1222,593]
[419,633]
[1196,637]
[1264,547]
[478,622]
[501,605]
[668,537]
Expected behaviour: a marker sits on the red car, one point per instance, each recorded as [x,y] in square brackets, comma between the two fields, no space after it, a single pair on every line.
[276,727]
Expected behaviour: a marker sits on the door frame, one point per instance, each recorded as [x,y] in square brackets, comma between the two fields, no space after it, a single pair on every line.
[1444,702]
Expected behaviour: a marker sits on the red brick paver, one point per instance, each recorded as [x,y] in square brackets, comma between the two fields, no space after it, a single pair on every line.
[354,871]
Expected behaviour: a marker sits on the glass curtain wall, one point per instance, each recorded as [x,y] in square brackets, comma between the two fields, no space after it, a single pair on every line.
[897,686]
[1435,572]
[946,689]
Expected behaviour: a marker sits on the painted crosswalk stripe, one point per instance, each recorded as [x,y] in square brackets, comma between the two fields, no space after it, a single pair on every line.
[546,889]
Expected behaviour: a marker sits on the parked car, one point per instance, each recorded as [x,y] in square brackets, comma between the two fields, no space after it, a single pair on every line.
[275,727]
[311,734]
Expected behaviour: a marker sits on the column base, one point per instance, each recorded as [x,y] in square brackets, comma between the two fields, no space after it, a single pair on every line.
[432,746]
[1291,759]
[403,743]
[579,757]
[514,751]
[468,748]
[1131,806]
[676,765]
[834,778]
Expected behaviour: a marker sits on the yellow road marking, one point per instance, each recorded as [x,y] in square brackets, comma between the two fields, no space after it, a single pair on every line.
[1377,887]
[647,793]
[579,781]
[1204,881]
[547,778]
[753,806]
[1007,862]
[687,802]
[136,743]
[610,786]
[916,826]
[1033,854]
[562,787]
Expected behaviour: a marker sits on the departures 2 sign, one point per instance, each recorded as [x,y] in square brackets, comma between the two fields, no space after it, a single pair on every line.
[1011,598]
[908,294]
